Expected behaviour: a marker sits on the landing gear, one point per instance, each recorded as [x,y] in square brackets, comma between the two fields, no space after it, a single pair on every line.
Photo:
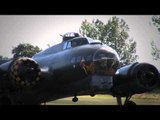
[75,99]
[119,100]
[92,94]
[128,101]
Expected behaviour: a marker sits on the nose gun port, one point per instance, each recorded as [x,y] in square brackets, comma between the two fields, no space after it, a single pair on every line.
[105,62]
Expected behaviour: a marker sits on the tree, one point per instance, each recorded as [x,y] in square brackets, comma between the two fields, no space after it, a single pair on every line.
[25,50]
[155,51]
[114,34]
[156,22]
[3,59]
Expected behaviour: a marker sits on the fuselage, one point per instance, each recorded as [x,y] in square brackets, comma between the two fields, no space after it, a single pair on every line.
[83,69]
[76,66]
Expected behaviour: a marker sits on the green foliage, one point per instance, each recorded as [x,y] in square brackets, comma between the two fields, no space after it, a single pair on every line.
[156,22]
[25,50]
[3,58]
[155,51]
[114,34]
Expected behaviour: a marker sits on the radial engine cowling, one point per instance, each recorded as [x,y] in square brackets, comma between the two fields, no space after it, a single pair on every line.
[135,78]
[24,72]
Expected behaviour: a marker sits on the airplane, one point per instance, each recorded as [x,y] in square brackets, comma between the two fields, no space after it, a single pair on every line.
[76,66]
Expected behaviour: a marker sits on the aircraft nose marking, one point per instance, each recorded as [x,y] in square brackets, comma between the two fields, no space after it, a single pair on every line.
[88,68]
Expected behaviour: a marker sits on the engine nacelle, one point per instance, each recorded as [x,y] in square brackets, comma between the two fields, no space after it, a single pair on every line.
[135,78]
[24,72]
[20,72]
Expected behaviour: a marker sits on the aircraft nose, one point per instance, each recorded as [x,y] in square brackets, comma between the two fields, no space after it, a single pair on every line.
[105,61]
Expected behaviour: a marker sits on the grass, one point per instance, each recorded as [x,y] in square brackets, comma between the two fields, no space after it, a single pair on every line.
[85,100]
[139,99]
[154,95]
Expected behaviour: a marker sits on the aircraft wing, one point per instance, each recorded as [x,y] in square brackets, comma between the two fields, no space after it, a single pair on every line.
[23,80]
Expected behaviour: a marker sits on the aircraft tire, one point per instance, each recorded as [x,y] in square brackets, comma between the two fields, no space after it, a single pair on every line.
[130,103]
[75,99]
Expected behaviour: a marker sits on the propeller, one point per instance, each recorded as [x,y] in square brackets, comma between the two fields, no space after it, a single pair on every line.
[147,77]
[25,72]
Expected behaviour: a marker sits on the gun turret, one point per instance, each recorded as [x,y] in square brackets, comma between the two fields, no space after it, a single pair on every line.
[69,35]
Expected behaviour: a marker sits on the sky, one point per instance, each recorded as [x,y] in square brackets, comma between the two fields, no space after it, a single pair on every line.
[41,30]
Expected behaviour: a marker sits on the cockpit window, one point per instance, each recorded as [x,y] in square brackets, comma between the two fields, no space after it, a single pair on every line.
[75,42]
[69,44]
